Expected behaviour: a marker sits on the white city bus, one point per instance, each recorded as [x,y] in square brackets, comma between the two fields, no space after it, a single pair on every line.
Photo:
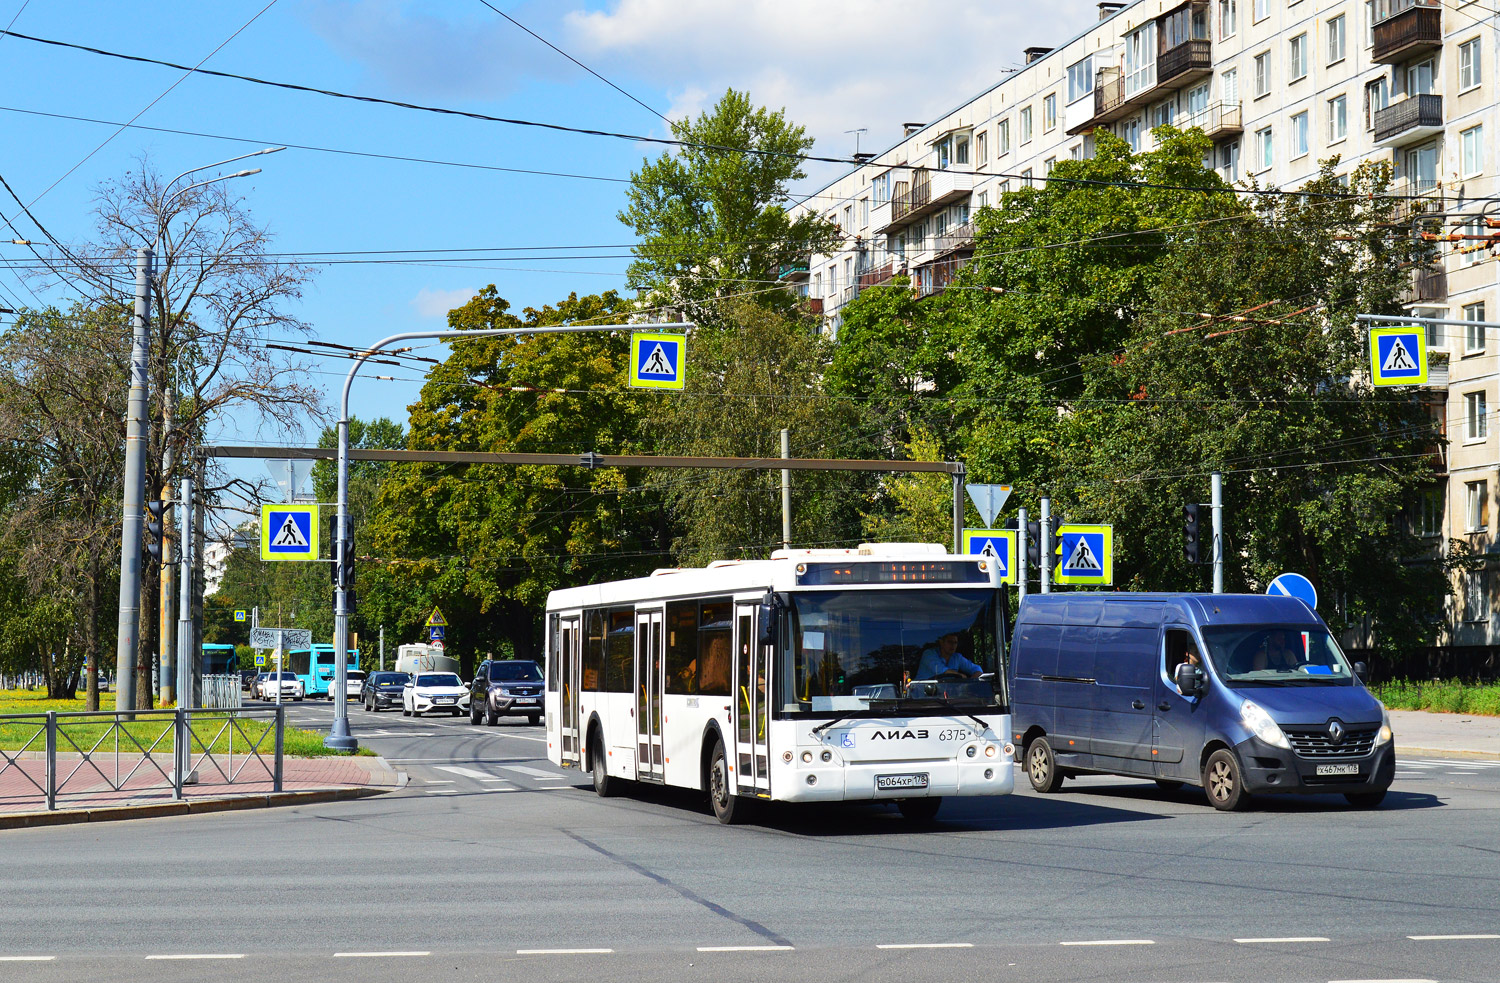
[795,679]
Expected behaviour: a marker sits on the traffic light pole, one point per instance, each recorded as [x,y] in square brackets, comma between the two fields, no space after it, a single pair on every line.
[1216,504]
[1045,554]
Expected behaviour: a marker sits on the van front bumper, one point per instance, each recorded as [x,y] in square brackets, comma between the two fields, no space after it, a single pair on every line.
[1269,770]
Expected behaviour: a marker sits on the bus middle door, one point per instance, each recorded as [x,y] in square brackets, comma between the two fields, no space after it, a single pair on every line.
[750,707]
[650,677]
[569,671]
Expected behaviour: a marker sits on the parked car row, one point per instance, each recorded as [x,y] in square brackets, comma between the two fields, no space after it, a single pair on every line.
[267,682]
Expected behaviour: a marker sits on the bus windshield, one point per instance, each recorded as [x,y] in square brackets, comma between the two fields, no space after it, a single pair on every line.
[892,651]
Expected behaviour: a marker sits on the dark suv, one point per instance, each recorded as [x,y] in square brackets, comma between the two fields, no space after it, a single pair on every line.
[382,689]
[506,687]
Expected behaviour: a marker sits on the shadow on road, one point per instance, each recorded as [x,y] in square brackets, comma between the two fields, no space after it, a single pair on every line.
[1193,796]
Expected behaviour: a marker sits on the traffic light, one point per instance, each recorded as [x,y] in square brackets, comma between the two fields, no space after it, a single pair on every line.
[343,558]
[1034,543]
[156,529]
[1190,533]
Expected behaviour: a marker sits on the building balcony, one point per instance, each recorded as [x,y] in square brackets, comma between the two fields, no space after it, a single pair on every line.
[1183,65]
[930,191]
[960,238]
[1429,285]
[792,272]
[1221,119]
[877,276]
[1410,120]
[1408,32]
[815,305]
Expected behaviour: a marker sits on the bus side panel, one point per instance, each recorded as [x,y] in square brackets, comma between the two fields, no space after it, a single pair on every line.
[618,717]
[686,718]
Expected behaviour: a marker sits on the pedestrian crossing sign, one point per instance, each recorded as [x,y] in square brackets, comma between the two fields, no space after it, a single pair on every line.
[1085,555]
[260,659]
[998,545]
[657,361]
[239,616]
[289,532]
[1398,356]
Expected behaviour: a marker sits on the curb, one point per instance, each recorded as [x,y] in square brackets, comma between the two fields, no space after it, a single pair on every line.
[1435,752]
[63,817]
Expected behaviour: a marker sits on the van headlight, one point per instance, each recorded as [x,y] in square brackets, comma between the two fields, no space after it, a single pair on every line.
[1259,723]
[1385,734]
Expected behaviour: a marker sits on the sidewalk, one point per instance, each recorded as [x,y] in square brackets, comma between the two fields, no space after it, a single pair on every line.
[86,795]
[1446,734]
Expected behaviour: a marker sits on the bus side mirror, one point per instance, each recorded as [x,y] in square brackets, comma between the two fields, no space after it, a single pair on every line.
[766,620]
[1186,677]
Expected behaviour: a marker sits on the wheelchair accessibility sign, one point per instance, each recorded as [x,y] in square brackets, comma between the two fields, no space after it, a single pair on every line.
[1085,555]
[289,532]
[998,545]
[657,361]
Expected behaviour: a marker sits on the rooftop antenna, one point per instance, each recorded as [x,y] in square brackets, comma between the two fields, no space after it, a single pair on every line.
[862,129]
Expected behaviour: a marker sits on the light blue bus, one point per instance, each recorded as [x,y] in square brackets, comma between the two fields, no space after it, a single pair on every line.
[315,667]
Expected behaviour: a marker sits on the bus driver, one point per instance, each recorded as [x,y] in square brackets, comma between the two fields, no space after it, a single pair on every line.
[946,660]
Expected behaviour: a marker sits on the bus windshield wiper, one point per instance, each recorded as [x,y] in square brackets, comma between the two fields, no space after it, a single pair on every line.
[824,726]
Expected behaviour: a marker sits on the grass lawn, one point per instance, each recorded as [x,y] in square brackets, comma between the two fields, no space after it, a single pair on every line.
[1445,696]
[85,732]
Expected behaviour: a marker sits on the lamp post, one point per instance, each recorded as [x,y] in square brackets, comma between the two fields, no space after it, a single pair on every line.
[339,737]
[135,455]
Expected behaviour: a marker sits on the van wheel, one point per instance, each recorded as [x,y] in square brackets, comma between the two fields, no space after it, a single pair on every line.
[604,785]
[920,811]
[1041,767]
[1224,783]
[1365,800]
[728,807]
[1170,784]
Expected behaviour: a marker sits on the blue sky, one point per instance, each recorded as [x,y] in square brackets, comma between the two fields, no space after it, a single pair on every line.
[835,65]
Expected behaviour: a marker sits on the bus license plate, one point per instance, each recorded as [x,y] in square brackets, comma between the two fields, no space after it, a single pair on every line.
[901,781]
[1338,769]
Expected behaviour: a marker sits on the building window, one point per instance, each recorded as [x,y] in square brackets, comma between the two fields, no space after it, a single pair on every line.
[1472,246]
[1419,77]
[1229,18]
[1004,187]
[1336,43]
[1377,97]
[1469,74]
[1474,330]
[981,149]
[1048,164]
[833,283]
[864,213]
[881,187]
[1472,141]
[1338,119]
[1229,161]
[1026,178]
[1229,87]
[848,219]
[1262,74]
[1140,59]
[1261,11]
[1296,57]
[1197,99]
[1264,153]
[1370,15]
[1476,423]
[1477,506]
[1080,79]
[1163,113]
[1026,125]
[1430,512]
[1131,134]
[817,287]
[1476,595]
[1003,138]
[961,150]
[1076,152]
[1298,135]
[982,200]
[1049,112]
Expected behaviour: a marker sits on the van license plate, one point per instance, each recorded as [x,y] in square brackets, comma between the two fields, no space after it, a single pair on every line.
[901,781]
[1338,769]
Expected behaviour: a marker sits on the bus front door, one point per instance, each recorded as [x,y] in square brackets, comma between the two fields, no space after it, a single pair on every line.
[751,710]
[568,673]
[649,679]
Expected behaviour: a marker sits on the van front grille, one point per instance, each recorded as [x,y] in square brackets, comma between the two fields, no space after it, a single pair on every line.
[1314,742]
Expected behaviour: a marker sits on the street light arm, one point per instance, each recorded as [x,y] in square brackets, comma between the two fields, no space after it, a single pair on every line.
[204,167]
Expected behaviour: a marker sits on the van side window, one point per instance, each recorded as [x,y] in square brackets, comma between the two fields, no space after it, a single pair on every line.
[1178,641]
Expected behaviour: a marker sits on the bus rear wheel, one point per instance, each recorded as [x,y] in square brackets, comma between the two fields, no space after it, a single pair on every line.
[728,807]
[604,785]
[920,810]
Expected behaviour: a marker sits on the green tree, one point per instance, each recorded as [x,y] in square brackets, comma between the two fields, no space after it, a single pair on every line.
[712,218]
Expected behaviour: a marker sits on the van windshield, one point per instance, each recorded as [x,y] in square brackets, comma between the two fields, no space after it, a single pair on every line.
[1270,655]
[892,651]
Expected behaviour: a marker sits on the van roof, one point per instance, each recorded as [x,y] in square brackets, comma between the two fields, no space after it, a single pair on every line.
[1147,609]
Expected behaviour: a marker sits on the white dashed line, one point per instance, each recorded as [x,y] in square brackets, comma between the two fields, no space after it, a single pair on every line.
[1385,981]
[1289,938]
[442,791]
[377,955]
[563,952]
[744,948]
[926,945]
[465,772]
[438,781]
[1446,938]
[26,959]
[202,955]
[532,772]
[1112,942]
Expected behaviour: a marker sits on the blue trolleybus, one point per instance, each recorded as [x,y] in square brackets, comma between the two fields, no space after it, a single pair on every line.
[315,667]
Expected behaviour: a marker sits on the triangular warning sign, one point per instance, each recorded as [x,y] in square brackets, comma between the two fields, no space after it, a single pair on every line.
[1398,359]
[989,549]
[1083,559]
[290,534]
[657,363]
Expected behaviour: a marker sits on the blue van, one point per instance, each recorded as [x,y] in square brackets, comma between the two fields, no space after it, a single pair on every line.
[1239,693]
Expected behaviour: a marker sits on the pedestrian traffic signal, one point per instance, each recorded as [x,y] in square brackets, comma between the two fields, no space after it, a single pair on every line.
[1190,533]
[156,528]
[343,558]
[1034,543]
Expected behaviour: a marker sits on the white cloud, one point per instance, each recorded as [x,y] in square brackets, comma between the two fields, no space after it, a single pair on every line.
[437,303]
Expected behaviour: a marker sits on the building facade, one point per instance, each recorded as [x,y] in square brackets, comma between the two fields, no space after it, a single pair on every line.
[1279,85]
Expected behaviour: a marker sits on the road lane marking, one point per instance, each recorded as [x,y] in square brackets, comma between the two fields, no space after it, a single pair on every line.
[1385,981]
[1443,938]
[563,952]
[926,945]
[26,959]
[378,955]
[465,772]
[1287,938]
[744,948]
[531,772]
[1112,942]
[202,955]
[441,791]
[438,781]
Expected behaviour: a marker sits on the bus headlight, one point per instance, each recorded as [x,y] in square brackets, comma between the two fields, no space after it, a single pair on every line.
[989,750]
[807,757]
[786,756]
[971,750]
[1010,750]
[827,755]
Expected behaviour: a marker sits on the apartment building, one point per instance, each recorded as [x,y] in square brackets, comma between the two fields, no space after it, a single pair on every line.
[1279,85]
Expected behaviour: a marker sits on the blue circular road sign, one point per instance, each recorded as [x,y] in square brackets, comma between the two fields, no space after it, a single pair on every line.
[1295,585]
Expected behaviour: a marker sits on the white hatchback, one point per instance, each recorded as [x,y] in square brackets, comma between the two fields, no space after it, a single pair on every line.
[434,691]
[354,680]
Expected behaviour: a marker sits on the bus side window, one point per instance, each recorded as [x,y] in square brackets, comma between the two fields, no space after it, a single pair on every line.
[682,647]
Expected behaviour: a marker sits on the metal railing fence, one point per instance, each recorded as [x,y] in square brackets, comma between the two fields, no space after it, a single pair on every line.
[222,692]
[140,750]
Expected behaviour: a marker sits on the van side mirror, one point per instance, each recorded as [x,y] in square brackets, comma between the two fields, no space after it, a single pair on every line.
[1186,677]
[1361,670]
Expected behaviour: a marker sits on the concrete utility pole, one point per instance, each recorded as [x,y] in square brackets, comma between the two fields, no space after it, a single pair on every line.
[786,492]
[184,686]
[135,490]
[1216,506]
[171,521]
[1046,550]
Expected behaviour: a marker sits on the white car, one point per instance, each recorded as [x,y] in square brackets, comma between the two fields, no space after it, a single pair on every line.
[291,686]
[354,680]
[434,691]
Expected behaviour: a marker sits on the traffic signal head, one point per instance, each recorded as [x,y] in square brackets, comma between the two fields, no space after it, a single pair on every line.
[1034,543]
[1190,533]
[155,527]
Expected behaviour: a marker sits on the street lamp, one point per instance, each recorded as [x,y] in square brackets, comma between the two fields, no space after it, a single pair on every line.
[339,737]
[135,455]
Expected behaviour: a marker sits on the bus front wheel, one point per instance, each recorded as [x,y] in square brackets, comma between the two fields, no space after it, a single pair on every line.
[920,811]
[728,807]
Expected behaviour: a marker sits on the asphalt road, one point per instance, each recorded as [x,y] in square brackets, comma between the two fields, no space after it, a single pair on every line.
[492,864]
